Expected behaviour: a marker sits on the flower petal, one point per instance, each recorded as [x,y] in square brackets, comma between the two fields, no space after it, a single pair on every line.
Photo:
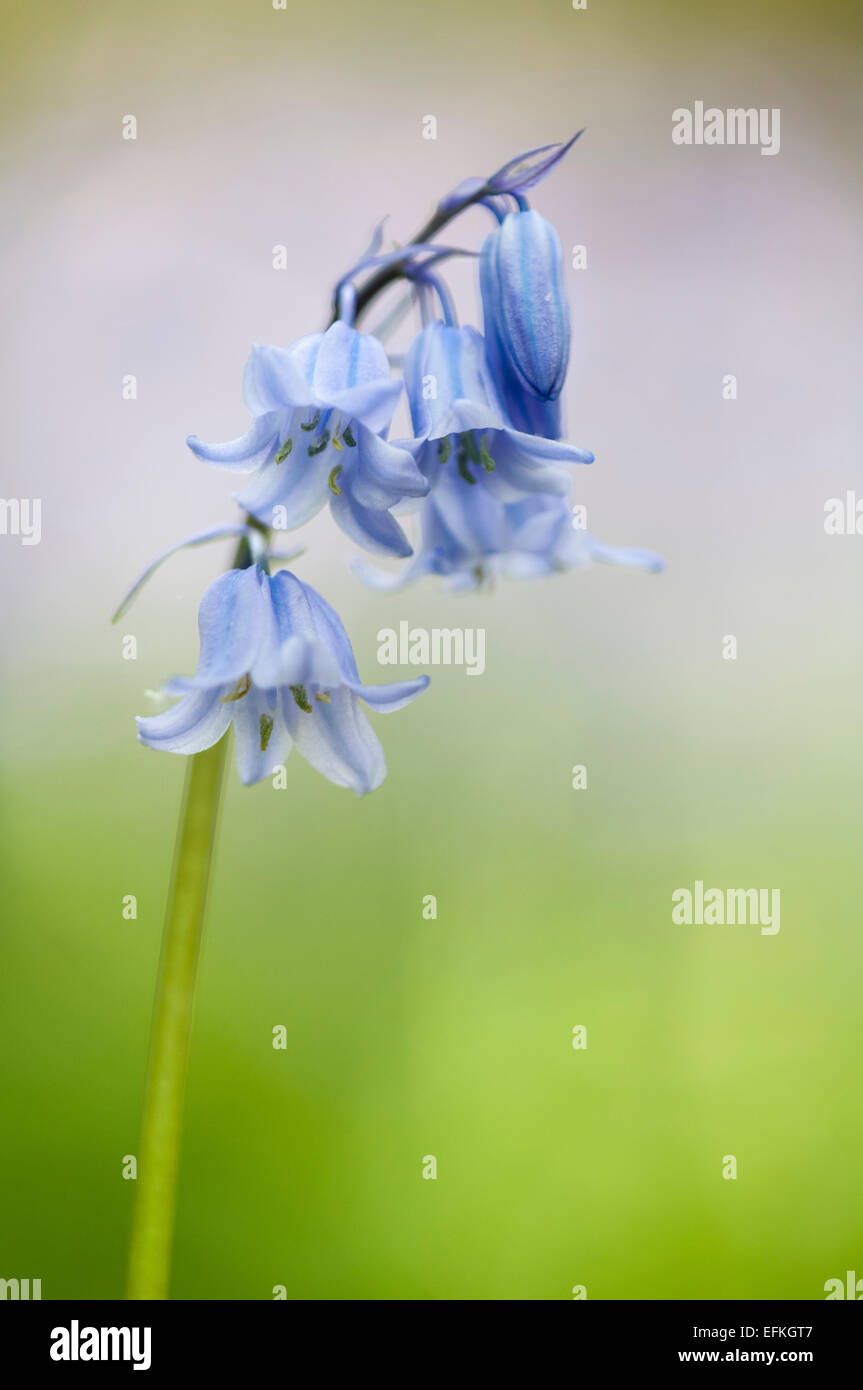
[382,475]
[330,631]
[386,582]
[372,404]
[245,454]
[549,450]
[277,378]
[233,622]
[375,530]
[338,740]
[352,373]
[296,653]
[298,484]
[448,382]
[261,739]
[525,463]
[386,698]
[630,557]
[471,521]
[197,722]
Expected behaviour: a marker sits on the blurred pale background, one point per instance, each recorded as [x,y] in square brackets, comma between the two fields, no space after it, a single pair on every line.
[405,1037]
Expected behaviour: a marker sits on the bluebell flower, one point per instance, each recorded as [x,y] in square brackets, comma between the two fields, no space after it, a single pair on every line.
[526,319]
[474,461]
[276,663]
[470,536]
[460,425]
[321,408]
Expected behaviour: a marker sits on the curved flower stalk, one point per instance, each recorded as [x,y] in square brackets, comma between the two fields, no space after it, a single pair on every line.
[526,319]
[321,408]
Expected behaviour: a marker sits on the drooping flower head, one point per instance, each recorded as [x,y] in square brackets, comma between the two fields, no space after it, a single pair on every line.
[276,663]
[526,319]
[479,467]
[321,408]
[459,421]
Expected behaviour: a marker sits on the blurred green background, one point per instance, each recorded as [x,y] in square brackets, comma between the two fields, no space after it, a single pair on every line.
[452,1037]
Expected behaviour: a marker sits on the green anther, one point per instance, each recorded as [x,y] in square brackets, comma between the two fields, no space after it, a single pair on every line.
[337,443]
[348,437]
[284,451]
[469,444]
[331,480]
[321,444]
[463,468]
[485,457]
[301,698]
[313,423]
[323,696]
[443,448]
[266,730]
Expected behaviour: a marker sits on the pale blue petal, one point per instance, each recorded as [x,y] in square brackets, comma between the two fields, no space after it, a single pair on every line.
[233,622]
[337,739]
[521,468]
[298,483]
[329,630]
[631,557]
[386,698]
[373,404]
[448,383]
[384,581]
[376,531]
[470,520]
[255,762]
[241,455]
[548,450]
[352,374]
[197,722]
[275,377]
[380,475]
[302,650]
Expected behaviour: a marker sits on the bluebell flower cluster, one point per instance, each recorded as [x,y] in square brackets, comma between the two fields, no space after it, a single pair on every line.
[486,467]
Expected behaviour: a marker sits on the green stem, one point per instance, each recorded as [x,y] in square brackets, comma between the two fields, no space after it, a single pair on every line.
[162,1124]
[161,1133]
